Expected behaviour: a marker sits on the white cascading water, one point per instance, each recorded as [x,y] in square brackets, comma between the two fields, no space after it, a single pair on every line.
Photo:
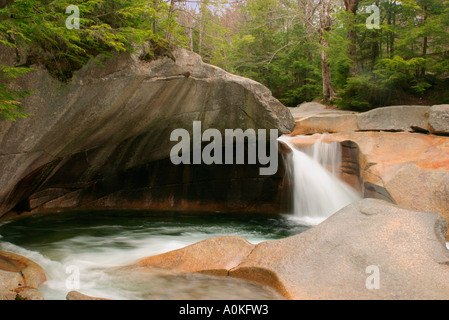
[96,255]
[317,190]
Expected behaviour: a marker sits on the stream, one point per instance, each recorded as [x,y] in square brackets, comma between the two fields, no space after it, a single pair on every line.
[91,243]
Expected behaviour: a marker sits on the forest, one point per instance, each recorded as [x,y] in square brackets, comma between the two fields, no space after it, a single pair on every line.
[353,54]
[224,150]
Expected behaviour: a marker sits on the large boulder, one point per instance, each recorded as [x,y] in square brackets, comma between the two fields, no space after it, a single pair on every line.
[369,250]
[314,117]
[200,257]
[326,123]
[339,258]
[395,118]
[423,119]
[308,109]
[110,119]
[439,119]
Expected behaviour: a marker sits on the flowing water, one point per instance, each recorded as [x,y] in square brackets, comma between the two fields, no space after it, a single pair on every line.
[86,246]
[317,190]
[91,243]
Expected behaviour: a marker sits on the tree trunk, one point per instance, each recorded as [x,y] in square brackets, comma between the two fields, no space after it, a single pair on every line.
[391,21]
[325,25]
[392,37]
[352,6]
[424,55]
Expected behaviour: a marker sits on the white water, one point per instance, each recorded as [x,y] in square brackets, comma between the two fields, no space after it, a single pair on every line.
[318,192]
[97,278]
[92,264]
[96,255]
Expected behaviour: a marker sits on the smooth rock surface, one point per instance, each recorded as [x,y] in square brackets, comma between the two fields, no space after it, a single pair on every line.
[423,119]
[330,261]
[439,119]
[308,109]
[9,281]
[20,277]
[326,123]
[395,118]
[110,121]
[212,256]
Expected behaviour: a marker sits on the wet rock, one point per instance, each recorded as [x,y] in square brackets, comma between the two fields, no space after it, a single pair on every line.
[212,256]
[20,277]
[27,293]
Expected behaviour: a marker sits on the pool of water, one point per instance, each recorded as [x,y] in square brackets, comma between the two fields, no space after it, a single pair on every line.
[86,245]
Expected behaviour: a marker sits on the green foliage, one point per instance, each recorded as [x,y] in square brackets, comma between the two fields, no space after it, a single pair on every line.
[359,94]
[400,63]
[269,44]
[276,44]
[391,80]
[106,26]
[10,105]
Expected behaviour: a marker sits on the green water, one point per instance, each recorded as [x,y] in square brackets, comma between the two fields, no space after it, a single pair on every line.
[95,242]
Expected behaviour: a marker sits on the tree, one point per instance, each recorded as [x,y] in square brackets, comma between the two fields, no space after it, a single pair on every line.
[351,7]
[10,106]
[329,93]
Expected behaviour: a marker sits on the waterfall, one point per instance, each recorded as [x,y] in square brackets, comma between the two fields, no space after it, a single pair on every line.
[317,190]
